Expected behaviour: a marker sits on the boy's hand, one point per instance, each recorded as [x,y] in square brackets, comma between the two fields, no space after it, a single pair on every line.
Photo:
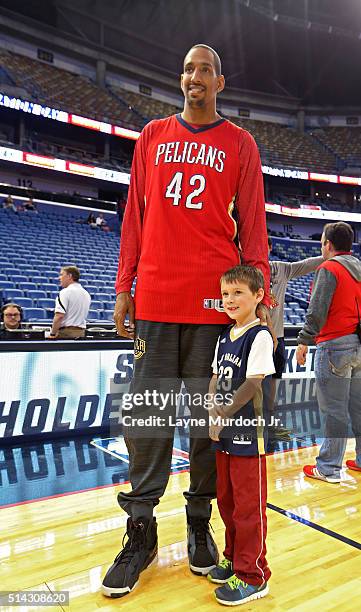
[216,414]
[214,431]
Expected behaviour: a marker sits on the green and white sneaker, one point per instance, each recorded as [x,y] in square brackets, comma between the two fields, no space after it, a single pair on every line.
[236,592]
[222,572]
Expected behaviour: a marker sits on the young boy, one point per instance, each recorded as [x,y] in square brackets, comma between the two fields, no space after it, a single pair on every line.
[243,358]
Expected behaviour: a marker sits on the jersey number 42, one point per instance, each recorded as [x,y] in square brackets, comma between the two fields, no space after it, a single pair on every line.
[174,190]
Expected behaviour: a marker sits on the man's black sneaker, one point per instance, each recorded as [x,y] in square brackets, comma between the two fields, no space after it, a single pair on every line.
[139,551]
[202,550]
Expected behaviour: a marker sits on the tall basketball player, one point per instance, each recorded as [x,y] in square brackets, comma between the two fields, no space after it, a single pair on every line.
[192,175]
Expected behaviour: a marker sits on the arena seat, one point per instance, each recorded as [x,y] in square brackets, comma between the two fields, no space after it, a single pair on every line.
[46,303]
[34,314]
[18,279]
[28,286]
[12,294]
[35,294]
[94,315]
[24,302]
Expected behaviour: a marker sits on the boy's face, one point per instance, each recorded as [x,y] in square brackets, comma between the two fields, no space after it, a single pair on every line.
[240,302]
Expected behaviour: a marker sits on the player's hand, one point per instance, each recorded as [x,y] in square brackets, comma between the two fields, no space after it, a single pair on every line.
[124,305]
[263,314]
[301,353]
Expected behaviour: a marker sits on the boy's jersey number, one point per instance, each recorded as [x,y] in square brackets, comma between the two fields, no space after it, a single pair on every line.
[225,372]
[174,190]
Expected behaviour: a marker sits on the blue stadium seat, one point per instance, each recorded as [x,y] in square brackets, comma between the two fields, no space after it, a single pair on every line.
[24,302]
[34,314]
[96,305]
[3,277]
[9,271]
[109,305]
[107,315]
[295,320]
[94,315]
[93,289]
[12,294]
[103,297]
[39,280]
[50,287]
[46,303]
[53,294]
[31,272]
[35,294]
[28,286]
[19,279]
[7,285]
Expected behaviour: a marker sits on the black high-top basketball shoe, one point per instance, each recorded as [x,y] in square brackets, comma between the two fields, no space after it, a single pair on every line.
[139,551]
[202,550]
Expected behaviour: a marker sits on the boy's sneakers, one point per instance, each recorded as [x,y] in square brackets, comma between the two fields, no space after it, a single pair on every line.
[202,550]
[352,465]
[222,572]
[236,592]
[312,471]
[139,551]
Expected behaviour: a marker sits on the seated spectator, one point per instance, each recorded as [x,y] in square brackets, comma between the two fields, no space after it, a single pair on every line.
[91,219]
[11,316]
[101,223]
[71,306]
[30,205]
[8,204]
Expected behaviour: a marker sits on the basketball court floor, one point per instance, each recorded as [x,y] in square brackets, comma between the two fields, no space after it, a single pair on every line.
[61,528]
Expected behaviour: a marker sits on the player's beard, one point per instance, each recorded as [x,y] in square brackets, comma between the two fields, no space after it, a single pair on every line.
[195,103]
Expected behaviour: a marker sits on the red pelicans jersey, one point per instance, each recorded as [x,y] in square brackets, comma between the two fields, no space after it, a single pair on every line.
[178,231]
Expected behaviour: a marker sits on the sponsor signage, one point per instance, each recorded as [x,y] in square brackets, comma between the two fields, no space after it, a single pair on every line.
[64,392]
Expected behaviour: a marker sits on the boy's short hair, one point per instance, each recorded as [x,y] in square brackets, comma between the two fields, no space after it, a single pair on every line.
[249,275]
[73,271]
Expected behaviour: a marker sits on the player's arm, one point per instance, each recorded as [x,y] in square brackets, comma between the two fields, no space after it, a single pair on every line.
[131,239]
[250,204]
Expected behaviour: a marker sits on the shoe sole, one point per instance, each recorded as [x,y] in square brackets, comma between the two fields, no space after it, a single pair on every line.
[201,571]
[257,595]
[116,593]
[324,478]
[217,580]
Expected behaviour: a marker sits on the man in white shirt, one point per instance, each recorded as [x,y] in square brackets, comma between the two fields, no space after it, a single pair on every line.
[71,306]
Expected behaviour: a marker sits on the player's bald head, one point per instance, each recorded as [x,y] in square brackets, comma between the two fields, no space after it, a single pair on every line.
[216,58]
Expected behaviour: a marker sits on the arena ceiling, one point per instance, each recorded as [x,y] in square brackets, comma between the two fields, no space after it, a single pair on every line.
[309,50]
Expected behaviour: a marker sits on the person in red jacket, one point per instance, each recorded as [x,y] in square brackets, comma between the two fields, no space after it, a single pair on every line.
[332,321]
[194,175]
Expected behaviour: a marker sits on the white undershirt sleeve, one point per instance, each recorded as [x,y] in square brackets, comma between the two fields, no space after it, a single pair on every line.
[214,362]
[260,359]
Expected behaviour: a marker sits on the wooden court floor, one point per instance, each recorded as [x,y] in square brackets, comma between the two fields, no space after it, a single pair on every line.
[67,543]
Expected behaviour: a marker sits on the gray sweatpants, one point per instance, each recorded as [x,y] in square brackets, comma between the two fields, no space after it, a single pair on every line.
[166,354]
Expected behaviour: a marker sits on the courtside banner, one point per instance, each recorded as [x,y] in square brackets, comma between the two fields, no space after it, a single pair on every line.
[61,391]
[65,392]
